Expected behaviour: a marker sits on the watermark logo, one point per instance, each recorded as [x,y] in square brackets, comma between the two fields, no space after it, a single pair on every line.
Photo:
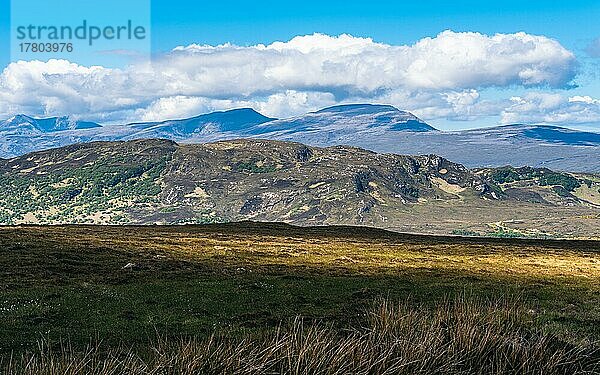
[109,33]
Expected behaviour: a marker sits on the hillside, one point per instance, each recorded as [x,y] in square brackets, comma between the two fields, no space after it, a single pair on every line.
[159,181]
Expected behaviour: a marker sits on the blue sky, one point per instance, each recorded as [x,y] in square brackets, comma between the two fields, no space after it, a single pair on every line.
[394,22]
[180,23]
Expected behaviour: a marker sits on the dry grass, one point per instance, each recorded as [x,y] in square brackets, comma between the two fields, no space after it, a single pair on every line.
[373,254]
[223,300]
[463,336]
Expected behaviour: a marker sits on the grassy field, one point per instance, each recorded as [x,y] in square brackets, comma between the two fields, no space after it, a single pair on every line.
[121,287]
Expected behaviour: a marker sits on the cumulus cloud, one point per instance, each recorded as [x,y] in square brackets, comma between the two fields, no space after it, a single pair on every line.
[449,61]
[538,107]
[437,76]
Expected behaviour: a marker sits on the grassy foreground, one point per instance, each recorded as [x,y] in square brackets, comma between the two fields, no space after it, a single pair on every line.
[267,298]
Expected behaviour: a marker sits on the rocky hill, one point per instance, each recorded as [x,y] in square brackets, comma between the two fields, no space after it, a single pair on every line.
[161,182]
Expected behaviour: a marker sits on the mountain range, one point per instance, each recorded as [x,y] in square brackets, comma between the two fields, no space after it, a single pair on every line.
[154,181]
[379,128]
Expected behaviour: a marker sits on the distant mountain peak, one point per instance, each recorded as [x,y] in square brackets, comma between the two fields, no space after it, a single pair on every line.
[378,127]
[240,114]
[17,120]
[246,110]
[19,117]
[342,124]
[359,109]
[379,115]
[207,124]
[24,124]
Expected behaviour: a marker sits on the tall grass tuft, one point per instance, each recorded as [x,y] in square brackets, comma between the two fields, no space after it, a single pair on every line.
[461,336]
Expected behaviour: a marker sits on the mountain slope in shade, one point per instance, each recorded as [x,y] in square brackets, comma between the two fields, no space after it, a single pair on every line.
[215,123]
[22,125]
[518,145]
[544,133]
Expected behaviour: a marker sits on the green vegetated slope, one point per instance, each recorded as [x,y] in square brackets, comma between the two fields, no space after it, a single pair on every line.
[83,183]
[157,181]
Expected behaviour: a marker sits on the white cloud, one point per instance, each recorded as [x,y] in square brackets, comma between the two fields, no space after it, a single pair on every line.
[283,104]
[290,103]
[462,105]
[449,61]
[583,99]
[175,107]
[538,107]
[437,76]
